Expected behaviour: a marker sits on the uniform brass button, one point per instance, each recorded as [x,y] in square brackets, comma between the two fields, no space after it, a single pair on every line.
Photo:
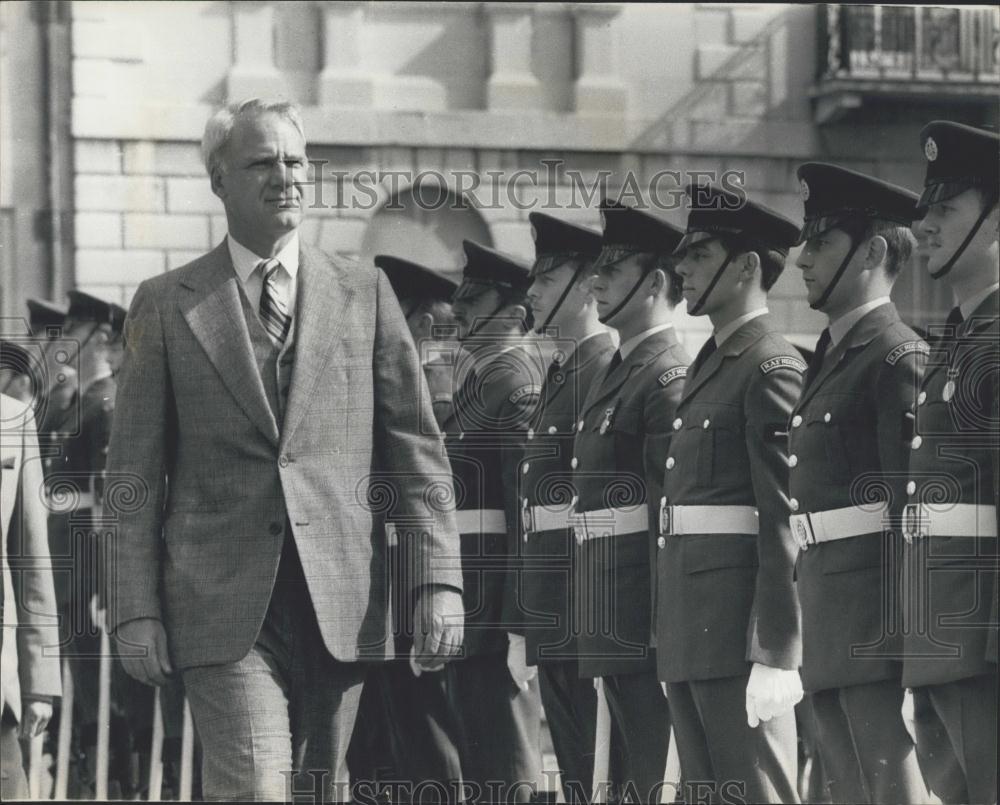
[527,466]
[552,428]
[461,435]
[705,424]
[661,542]
[274,529]
[796,421]
[922,398]
[531,434]
[793,461]
[525,502]
[677,423]
[283,461]
[579,426]
[917,441]
[574,462]
[911,488]
[670,463]
[793,504]
[827,416]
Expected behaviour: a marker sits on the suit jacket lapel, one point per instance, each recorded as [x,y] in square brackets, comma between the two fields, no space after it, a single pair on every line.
[579,359]
[322,298]
[733,346]
[214,313]
[642,354]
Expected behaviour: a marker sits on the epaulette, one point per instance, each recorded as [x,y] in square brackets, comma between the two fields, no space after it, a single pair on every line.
[783,362]
[905,349]
[672,374]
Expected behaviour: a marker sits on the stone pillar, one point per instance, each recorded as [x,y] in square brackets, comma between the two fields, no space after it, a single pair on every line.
[512,85]
[599,88]
[253,72]
[343,81]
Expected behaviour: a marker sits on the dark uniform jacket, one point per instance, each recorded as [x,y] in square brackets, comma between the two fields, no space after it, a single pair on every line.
[726,600]
[87,453]
[619,450]
[847,448]
[541,592]
[951,610]
[484,438]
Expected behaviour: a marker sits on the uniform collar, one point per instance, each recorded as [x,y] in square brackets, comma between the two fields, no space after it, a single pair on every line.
[722,334]
[971,305]
[842,326]
[628,346]
[245,260]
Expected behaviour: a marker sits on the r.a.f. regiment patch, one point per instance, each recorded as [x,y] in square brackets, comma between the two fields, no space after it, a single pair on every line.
[783,362]
[672,374]
[522,392]
[905,349]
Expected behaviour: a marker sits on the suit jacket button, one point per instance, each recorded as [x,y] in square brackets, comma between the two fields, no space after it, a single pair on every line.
[677,423]
[793,504]
[552,429]
[574,462]
[793,460]
[911,488]
[670,463]
[917,441]
[922,398]
[283,461]
[661,542]
[274,529]
[796,421]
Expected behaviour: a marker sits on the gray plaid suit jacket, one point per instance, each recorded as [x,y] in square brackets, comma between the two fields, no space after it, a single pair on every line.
[198,546]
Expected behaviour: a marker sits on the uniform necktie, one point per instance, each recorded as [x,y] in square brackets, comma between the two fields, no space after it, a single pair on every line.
[616,361]
[273,304]
[703,355]
[955,318]
[816,364]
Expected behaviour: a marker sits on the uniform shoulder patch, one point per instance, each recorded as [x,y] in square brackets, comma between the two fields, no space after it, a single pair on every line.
[783,362]
[672,374]
[905,349]
[524,391]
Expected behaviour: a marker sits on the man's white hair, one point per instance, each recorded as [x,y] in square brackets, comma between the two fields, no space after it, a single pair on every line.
[219,128]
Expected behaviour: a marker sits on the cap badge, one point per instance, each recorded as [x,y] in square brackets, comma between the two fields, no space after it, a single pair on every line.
[803,190]
[930,149]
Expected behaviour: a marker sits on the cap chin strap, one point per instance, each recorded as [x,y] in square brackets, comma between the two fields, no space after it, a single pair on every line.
[482,321]
[618,308]
[987,209]
[562,297]
[696,308]
[818,304]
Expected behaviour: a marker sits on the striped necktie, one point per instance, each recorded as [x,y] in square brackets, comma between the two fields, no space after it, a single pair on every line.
[273,304]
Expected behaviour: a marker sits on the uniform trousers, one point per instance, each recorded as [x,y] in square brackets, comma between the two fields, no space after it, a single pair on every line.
[287,706]
[13,782]
[571,711]
[499,728]
[641,717]
[956,728]
[867,754]
[724,760]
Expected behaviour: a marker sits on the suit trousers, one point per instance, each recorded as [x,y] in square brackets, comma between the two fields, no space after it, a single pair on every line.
[13,782]
[499,729]
[722,759]
[956,727]
[867,754]
[641,718]
[277,722]
[571,710]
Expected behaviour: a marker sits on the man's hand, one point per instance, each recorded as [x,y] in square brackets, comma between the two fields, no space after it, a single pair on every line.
[142,644]
[35,716]
[438,627]
[517,661]
[771,692]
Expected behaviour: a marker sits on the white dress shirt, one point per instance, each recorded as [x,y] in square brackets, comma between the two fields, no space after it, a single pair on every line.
[724,333]
[246,263]
[630,344]
[842,326]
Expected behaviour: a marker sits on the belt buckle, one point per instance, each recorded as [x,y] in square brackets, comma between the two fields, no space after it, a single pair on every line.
[527,517]
[579,524]
[916,522]
[803,532]
[666,520]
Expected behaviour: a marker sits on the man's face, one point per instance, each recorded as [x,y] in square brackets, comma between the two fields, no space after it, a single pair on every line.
[819,260]
[697,268]
[474,308]
[948,223]
[612,283]
[259,180]
[546,290]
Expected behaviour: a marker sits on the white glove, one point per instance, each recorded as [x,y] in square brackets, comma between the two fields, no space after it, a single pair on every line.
[771,692]
[517,662]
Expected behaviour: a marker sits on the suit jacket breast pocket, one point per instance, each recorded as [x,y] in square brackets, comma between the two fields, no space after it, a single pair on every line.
[850,440]
[722,452]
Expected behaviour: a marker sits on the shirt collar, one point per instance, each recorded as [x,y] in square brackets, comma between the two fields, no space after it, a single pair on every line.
[969,306]
[245,261]
[629,345]
[726,331]
[842,326]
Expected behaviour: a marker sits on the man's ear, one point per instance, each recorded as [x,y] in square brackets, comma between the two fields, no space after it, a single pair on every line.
[750,267]
[659,281]
[876,252]
[216,178]
[425,324]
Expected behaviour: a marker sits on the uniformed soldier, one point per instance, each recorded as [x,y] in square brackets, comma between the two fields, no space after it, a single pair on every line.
[405,731]
[617,468]
[950,521]
[727,617]
[499,717]
[541,594]
[848,466]
[47,320]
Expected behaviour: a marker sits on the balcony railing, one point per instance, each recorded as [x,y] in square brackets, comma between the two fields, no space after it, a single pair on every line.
[909,50]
